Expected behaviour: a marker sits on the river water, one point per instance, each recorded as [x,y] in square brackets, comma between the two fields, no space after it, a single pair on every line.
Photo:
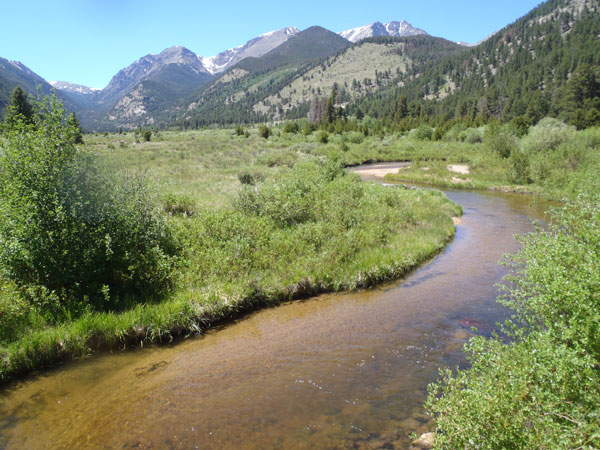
[336,371]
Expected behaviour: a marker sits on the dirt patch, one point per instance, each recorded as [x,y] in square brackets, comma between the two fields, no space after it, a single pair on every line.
[463,169]
[379,173]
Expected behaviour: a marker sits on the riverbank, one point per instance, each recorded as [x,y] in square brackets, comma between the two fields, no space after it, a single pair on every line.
[552,161]
[273,233]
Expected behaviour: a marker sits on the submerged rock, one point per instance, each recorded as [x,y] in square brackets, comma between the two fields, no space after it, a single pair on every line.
[424,442]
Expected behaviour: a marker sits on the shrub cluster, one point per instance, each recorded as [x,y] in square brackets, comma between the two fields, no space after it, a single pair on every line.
[72,236]
[541,389]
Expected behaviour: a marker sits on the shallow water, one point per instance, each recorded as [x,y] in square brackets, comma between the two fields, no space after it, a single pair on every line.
[336,371]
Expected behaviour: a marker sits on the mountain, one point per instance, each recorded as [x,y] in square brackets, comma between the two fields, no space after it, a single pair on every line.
[151,66]
[367,67]
[545,63]
[255,48]
[72,87]
[396,29]
[15,73]
[232,97]
[313,43]
[283,83]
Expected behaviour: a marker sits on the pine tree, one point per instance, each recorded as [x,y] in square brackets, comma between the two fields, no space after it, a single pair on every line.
[19,108]
[75,126]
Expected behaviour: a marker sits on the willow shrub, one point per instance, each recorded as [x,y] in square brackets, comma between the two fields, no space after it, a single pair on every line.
[73,237]
[540,390]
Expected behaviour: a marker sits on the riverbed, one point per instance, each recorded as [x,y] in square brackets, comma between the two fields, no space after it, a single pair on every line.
[335,371]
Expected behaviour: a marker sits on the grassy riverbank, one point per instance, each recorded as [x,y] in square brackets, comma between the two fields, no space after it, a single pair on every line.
[252,222]
[551,160]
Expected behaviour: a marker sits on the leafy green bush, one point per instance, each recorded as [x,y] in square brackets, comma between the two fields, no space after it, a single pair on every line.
[246,178]
[452,135]
[423,133]
[471,136]
[278,158]
[518,170]
[499,140]
[179,204]
[290,199]
[68,227]
[547,135]
[541,389]
[323,137]
[264,132]
[354,137]
[291,127]
[308,129]
[14,312]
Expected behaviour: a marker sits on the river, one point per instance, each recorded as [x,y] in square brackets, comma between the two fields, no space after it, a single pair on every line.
[336,371]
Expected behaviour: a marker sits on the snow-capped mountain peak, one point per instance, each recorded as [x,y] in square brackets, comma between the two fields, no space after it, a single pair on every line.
[253,48]
[402,28]
[72,87]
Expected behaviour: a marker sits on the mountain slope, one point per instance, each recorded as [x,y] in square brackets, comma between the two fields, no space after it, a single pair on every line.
[254,48]
[13,74]
[306,46]
[256,91]
[396,29]
[232,96]
[146,68]
[521,71]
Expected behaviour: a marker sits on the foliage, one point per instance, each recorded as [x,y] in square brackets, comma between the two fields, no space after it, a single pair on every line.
[87,239]
[423,133]
[323,137]
[499,140]
[291,127]
[19,108]
[73,123]
[547,135]
[179,204]
[541,389]
[264,132]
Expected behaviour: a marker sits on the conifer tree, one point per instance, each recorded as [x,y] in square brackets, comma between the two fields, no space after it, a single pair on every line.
[19,108]
[74,124]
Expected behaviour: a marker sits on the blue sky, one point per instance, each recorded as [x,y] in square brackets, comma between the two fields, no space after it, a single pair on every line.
[88,41]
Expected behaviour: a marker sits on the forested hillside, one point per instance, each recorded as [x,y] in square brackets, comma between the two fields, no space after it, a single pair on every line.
[546,63]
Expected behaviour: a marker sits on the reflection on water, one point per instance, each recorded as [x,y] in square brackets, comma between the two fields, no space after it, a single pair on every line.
[336,371]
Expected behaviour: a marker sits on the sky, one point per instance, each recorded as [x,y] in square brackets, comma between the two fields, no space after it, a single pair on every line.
[89,41]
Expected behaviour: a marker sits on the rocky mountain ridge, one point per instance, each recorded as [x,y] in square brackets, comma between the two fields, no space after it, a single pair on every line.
[397,29]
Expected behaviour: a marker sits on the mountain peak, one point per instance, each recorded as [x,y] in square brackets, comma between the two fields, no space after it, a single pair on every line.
[402,28]
[255,48]
[72,87]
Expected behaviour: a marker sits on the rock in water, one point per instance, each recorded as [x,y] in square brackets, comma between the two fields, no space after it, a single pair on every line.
[424,442]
